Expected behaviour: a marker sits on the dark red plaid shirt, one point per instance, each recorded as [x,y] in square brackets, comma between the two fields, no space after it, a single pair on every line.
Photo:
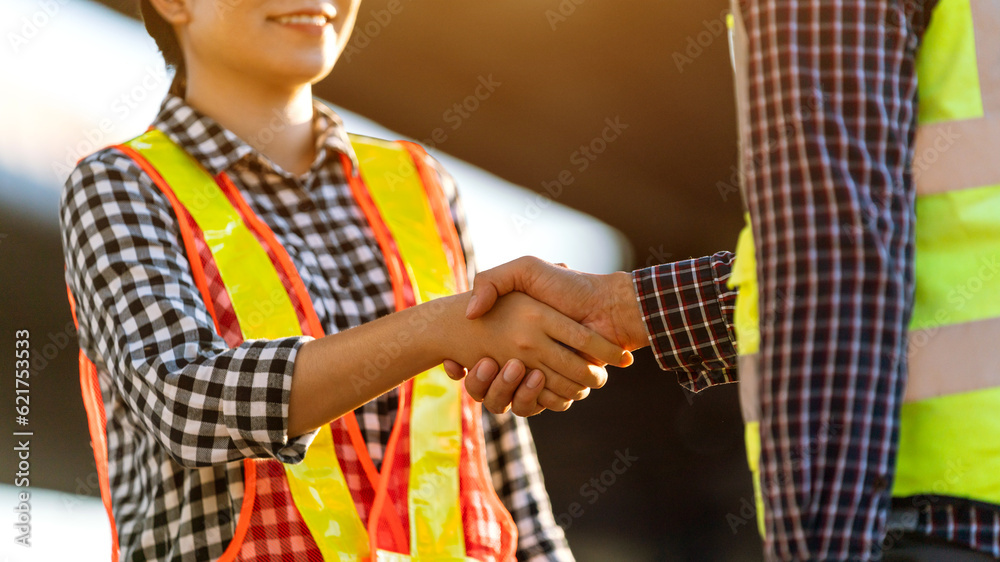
[833,92]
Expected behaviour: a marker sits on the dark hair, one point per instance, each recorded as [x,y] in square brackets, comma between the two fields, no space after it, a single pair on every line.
[163,33]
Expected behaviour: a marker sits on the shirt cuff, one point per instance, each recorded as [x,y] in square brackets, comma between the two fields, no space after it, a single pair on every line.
[688,310]
[255,400]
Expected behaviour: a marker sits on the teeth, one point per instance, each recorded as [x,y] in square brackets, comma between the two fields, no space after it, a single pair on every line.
[299,19]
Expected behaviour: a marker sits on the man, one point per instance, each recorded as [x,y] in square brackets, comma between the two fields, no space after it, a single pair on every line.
[828,117]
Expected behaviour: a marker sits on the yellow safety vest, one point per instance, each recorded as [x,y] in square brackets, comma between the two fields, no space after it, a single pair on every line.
[437,428]
[950,426]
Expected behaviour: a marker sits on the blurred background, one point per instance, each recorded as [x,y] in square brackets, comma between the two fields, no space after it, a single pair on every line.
[604,139]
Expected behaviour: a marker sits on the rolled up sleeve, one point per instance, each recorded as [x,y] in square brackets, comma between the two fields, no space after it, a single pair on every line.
[688,310]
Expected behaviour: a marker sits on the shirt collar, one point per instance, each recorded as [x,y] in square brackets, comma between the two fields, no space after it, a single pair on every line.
[218,149]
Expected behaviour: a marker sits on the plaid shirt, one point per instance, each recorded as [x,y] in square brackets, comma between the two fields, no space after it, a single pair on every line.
[177,427]
[833,91]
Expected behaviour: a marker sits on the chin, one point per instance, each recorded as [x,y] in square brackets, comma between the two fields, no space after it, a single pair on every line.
[302,73]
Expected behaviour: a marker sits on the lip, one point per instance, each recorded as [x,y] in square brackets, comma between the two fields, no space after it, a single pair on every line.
[326,10]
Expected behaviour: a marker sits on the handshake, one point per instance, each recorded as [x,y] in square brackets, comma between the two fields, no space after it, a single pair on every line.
[574,324]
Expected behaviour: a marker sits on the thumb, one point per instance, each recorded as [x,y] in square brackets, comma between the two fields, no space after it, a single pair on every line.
[488,286]
[484,296]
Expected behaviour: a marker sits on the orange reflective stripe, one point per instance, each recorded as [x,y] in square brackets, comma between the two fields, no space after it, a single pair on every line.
[97,424]
[442,214]
[381,492]
[246,511]
[93,404]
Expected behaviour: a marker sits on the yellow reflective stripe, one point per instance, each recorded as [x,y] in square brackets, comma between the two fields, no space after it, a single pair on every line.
[744,277]
[747,327]
[385,556]
[394,184]
[265,311]
[948,446]
[435,453]
[947,71]
[259,299]
[436,531]
[752,438]
[325,503]
[957,257]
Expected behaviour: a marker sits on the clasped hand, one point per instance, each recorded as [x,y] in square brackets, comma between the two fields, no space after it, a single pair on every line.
[598,316]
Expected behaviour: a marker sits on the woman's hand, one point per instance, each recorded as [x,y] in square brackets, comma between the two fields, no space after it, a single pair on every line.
[521,332]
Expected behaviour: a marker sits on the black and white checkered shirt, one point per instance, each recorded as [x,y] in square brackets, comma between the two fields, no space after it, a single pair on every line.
[178,426]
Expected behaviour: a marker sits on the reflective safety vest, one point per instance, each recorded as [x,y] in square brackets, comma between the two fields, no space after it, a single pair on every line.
[950,421]
[433,499]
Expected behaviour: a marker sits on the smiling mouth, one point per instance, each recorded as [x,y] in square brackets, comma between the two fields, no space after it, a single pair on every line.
[302,19]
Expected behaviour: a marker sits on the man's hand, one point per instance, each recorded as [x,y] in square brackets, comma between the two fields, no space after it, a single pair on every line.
[605,303]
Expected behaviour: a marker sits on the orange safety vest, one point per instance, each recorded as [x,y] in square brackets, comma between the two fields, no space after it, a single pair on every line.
[433,499]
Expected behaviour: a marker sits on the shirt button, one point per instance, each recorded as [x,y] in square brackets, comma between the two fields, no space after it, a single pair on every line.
[343,282]
[694,360]
[307,206]
[880,483]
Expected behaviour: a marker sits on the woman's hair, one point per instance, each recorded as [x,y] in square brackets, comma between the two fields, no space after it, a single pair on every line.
[163,33]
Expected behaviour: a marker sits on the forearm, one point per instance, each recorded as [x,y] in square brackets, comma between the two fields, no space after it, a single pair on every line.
[340,372]
[831,202]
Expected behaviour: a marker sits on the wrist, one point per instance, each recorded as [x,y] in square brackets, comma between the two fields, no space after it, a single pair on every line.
[627,314]
[452,337]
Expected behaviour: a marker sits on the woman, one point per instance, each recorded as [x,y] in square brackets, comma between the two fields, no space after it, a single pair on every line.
[208,258]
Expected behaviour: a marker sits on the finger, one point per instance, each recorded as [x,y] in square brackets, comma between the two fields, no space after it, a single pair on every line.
[484,296]
[553,402]
[564,387]
[627,359]
[455,371]
[525,401]
[482,376]
[575,369]
[501,392]
[494,283]
[587,341]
